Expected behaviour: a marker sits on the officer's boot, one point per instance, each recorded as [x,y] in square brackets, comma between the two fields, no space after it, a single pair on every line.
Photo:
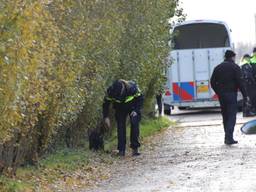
[121,153]
[229,140]
[135,152]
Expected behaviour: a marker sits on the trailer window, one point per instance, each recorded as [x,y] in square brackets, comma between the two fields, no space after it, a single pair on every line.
[203,35]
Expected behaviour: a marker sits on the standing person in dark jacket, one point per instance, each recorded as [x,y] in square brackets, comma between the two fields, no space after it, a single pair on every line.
[159,103]
[253,64]
[225,81]
[250,86]
[127,101]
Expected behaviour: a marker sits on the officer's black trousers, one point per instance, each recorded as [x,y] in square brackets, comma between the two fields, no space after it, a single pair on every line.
[159,103]
[121,117]
[251,92]
[228,103]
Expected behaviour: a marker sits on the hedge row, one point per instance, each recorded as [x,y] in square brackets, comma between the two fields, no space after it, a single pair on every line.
[57,57]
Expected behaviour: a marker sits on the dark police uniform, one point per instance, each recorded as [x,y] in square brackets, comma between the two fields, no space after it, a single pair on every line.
[225,81]
[253,91]
[159,103]
[127,101]
[250,87]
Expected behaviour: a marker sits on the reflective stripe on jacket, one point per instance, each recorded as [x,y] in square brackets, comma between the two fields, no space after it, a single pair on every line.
[253,59]
[127,99]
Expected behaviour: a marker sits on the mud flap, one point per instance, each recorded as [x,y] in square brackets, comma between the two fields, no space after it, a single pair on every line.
[249,127]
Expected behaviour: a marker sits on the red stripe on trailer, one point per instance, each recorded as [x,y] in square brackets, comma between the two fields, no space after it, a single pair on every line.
[192,84]
[185,95]
[176,88]
[176,92]
[182,93]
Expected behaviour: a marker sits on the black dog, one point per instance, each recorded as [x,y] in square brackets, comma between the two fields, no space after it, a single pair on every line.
[96,141]
[96,137]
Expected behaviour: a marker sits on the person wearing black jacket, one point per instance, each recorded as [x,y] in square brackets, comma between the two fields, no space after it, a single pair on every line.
[159,103]
[225,81]
[127,100]
[250,86]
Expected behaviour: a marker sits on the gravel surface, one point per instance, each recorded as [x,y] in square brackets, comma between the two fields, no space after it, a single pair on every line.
[190,157]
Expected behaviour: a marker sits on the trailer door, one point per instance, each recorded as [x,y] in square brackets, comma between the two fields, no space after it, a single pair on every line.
[202,72]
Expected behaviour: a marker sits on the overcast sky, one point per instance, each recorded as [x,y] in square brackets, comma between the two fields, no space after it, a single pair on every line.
[238,14]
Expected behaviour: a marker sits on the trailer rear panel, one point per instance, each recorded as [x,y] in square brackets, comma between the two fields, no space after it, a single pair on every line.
[199,47]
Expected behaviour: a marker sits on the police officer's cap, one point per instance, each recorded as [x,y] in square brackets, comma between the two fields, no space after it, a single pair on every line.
[115,90]
[229,54]
[246,56]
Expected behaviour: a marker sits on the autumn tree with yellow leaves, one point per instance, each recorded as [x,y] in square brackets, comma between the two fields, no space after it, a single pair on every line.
[57,57]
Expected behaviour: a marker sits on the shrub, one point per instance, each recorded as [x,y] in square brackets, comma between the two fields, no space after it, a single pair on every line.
[57,57]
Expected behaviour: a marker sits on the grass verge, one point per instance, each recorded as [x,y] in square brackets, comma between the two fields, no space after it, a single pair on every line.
[69,167]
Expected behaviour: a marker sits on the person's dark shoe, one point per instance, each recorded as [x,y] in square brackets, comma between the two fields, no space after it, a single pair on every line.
[135,152]
[249,114]
[231,142]
[121,153]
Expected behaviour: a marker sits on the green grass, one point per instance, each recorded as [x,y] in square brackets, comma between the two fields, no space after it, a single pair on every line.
[65,161]
[67,158]
[11,185]
[151,126]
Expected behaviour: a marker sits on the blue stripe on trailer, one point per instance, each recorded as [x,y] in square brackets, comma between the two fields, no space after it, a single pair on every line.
[189,88]
[176,97]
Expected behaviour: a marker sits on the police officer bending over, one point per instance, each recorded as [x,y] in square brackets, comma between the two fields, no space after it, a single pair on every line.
[225,81]
[127,101]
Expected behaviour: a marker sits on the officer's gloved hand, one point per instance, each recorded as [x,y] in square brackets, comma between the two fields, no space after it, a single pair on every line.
[107,122]
[133,114]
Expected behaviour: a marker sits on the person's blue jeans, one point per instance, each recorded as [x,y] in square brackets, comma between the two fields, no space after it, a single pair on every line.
[228,103]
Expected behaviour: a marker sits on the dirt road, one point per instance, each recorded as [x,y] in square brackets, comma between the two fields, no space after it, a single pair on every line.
[189,158]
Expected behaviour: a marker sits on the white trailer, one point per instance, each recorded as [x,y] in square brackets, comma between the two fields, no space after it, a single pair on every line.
[197,47]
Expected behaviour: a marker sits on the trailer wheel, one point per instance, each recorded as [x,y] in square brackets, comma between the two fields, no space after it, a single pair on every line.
[167,110]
